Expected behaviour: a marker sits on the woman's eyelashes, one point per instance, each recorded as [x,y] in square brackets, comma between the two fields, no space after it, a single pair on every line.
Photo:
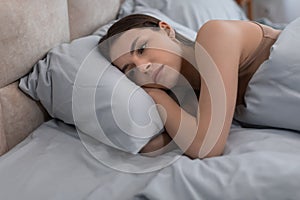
[142,48]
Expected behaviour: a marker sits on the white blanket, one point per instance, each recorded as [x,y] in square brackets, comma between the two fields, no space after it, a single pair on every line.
[53,164]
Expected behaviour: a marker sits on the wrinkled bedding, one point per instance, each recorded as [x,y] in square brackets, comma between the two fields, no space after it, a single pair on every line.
[52,163]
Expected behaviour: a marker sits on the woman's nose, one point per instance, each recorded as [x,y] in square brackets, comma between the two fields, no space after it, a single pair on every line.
[144,68]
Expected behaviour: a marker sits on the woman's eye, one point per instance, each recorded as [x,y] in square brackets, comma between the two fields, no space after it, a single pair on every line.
[142,48]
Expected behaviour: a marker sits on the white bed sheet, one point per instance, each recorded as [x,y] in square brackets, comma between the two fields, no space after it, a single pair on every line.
[259,164]
[52,163]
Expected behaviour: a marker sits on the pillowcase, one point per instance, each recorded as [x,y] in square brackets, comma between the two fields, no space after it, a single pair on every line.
[78,86]
[272,97]
[191,13]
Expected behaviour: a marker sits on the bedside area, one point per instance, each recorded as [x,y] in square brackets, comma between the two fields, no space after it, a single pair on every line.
[247,6]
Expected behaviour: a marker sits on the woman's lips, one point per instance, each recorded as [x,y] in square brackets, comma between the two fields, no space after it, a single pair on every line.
[156,73]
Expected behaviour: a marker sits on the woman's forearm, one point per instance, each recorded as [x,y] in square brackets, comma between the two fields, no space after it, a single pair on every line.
[157,143]
[180,125]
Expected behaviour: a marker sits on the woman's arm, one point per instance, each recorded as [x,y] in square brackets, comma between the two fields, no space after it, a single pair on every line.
[157,144]
[226,42]
[160,141]
[177,120]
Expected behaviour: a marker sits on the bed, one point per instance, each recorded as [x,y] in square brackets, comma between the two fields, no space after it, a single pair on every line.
[44,157]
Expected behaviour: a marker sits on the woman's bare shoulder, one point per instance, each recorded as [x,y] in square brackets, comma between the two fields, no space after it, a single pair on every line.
[230,34]
[228,26]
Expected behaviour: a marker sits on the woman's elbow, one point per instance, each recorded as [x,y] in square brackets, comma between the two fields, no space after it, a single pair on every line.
[195,154]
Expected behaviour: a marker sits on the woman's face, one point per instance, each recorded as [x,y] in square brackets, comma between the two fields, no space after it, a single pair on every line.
[148,57]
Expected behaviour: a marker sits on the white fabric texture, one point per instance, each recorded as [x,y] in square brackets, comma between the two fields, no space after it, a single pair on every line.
[94,102]
[53,164]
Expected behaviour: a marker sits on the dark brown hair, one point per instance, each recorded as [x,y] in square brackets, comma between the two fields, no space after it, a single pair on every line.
[127,23]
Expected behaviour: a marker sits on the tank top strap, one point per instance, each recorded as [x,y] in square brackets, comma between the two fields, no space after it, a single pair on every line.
[268,32]
[269,35]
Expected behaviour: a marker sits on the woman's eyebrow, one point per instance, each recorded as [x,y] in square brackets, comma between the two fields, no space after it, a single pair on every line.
[133,45]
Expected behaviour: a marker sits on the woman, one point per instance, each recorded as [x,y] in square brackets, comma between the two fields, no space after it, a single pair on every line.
[153,55]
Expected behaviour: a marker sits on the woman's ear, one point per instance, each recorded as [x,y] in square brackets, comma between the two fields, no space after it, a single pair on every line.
[166,27]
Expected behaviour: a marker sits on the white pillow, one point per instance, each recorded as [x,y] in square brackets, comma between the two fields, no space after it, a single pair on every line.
[67,84]
[189,13]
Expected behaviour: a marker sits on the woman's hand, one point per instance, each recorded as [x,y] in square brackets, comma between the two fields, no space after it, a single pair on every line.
[158,145]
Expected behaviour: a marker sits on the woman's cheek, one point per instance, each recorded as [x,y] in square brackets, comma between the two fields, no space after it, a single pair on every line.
[142,80]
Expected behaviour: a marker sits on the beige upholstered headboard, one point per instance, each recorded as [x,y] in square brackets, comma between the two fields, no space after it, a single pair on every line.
[29,28]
